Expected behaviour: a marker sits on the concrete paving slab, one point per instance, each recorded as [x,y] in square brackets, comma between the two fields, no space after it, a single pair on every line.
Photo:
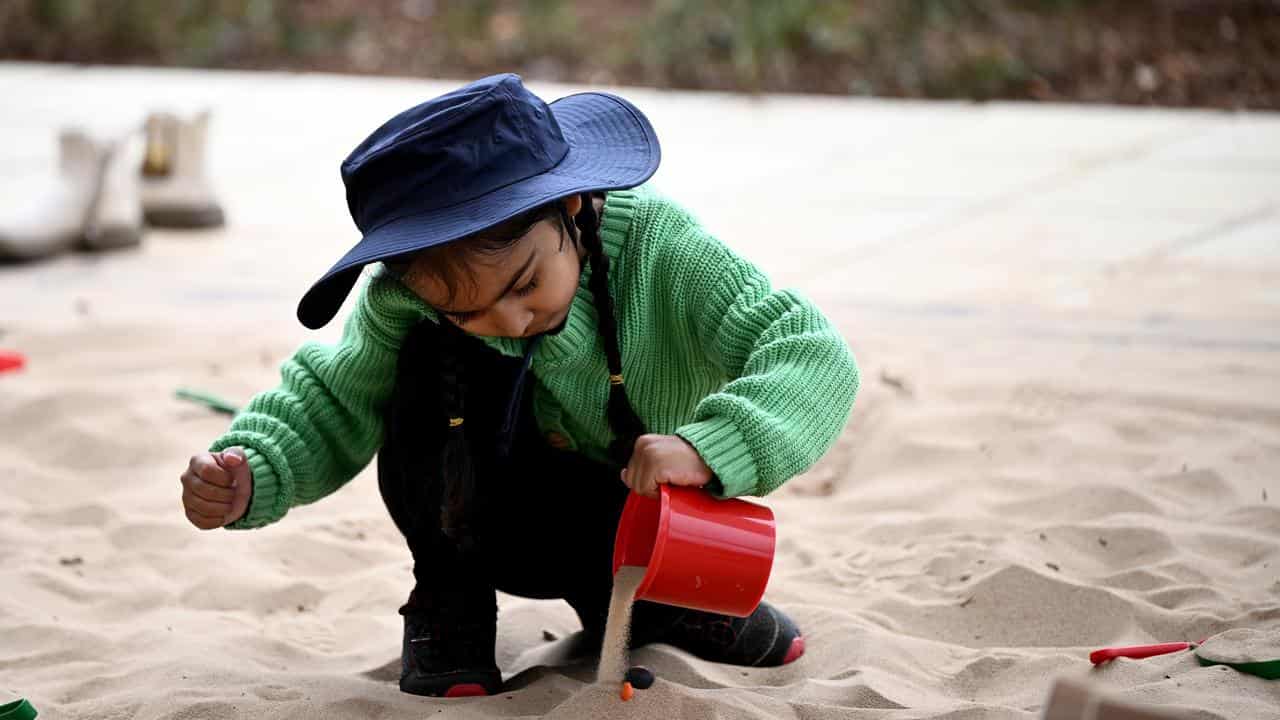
[1050,134]
[1237,141]
[1252,241]
[1143,189]
[896,201]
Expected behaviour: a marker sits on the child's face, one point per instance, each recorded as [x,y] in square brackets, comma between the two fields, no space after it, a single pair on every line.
[524,291]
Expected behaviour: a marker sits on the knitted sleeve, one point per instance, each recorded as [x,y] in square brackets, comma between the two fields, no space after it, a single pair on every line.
[322,424]
[792,376]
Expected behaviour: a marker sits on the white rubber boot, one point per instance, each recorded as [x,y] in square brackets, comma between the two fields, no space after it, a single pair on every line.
[47,215]
[115,220]
[175,188]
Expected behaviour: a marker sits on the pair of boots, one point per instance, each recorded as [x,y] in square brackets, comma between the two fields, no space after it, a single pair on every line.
[448,649]
[105,188]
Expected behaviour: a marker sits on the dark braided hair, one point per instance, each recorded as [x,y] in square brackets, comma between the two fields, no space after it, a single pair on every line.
[624,422]
[458,497]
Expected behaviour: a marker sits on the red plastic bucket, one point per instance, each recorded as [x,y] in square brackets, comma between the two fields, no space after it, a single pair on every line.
[700,552]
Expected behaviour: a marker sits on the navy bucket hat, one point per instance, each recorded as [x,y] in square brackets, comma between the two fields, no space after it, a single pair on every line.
[472,158]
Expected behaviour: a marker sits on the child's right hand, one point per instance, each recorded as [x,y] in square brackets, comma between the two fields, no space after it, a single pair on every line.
[216,488]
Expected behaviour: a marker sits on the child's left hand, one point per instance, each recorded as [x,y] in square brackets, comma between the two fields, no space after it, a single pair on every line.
[664,460]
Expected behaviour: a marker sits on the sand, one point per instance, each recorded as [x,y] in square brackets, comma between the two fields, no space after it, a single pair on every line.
[1243,645]
[960,548]
[614,654]
[1067,436]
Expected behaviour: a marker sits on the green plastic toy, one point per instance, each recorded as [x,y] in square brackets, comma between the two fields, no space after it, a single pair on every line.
[1267,668]
[18,710]
[209,400]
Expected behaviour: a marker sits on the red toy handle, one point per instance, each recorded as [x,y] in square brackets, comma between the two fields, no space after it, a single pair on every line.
[1137,652]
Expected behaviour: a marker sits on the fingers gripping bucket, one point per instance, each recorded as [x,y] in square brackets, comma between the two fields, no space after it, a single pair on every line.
[700,552]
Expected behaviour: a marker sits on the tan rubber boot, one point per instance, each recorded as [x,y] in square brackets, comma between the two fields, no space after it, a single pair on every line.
[175,188]
[45,216]
[115,219]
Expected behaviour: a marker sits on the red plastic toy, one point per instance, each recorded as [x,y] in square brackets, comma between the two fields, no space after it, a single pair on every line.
[1137,652]
[11,360]
[699,552]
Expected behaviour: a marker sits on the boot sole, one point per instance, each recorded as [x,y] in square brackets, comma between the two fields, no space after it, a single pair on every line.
[450,685]
[795,652]
[18,254]
[185,218]
[113,239]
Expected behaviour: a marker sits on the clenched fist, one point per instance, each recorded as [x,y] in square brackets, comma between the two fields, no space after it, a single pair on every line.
[664,460]
[216,488]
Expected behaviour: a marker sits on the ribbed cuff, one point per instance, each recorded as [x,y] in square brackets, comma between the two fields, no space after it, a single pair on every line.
[721,446]
[268,503]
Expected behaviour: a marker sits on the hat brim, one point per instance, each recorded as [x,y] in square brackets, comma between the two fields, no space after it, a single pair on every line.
[612,146]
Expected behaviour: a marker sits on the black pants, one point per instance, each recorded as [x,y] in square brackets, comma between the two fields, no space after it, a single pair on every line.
[545,519]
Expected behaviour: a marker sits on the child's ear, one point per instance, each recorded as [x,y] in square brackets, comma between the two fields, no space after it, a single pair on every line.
[573,204]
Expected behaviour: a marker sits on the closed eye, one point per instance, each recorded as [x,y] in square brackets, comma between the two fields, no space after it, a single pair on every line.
[466,317]
[523,291]
[461,318]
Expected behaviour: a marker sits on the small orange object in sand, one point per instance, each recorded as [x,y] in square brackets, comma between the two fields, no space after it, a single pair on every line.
[627,691]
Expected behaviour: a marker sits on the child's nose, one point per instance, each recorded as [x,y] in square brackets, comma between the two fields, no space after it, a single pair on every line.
[513,320]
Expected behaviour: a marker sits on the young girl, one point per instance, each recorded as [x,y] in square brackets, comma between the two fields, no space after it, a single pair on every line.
[534,342]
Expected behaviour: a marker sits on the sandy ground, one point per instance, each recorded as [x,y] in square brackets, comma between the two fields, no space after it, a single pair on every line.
[1068,323]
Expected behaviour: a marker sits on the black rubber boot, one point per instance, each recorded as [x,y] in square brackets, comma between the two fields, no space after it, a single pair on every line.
[765,638]
[448,652]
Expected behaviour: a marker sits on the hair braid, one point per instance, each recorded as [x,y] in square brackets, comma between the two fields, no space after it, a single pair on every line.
[457,502]
[626,425]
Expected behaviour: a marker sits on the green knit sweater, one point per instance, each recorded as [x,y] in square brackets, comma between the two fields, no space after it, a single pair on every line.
[754,378]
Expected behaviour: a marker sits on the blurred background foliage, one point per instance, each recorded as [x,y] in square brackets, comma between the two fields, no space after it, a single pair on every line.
[1207,53]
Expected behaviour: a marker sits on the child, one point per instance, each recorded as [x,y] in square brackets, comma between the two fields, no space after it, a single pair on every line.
[534,342]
